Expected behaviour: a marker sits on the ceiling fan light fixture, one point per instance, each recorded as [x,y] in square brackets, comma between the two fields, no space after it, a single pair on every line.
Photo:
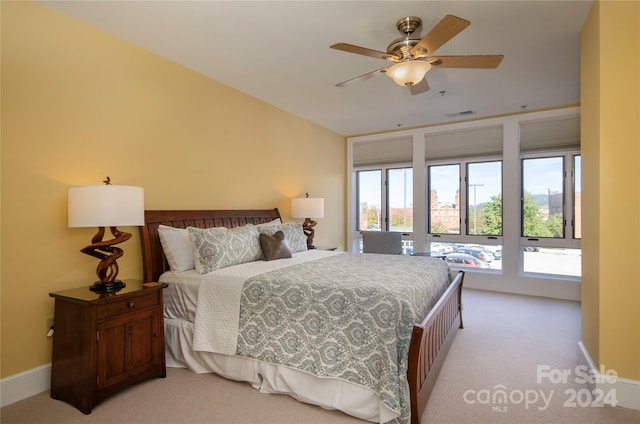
[409,72]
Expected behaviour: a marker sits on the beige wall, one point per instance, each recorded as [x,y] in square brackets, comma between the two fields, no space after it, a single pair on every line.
[78,105]
[611,195]
[590,149]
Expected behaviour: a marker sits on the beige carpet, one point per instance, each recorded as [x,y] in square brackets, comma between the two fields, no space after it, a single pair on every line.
[505,339]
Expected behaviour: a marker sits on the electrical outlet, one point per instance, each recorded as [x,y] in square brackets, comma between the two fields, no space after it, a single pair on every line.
[49,324]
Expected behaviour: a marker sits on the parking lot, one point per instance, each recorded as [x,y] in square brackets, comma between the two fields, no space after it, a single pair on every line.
[550,261]
[554,261]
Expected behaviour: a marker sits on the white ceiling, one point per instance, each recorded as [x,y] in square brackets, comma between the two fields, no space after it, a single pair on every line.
[278,51]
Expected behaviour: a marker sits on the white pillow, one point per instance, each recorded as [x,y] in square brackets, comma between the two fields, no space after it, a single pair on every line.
[177,248]
[219,247]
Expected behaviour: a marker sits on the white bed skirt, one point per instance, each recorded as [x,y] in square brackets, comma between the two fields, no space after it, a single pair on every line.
[271,378]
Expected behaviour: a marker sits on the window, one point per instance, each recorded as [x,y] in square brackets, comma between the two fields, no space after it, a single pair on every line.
[550,214]
[384,187]
[477,204]
[550,196]
[472,254]
[398,215]
[552,261]
[484,188]
[444,199]
[475,180]
[400,199]
[389,209]
[369,192]
[542,197]
[464,173]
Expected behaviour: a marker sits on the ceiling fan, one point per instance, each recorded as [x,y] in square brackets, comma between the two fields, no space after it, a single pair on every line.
[413,55]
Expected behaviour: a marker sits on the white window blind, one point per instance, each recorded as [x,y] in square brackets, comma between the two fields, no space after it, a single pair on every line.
[549,134]
[465,143]
[383,151]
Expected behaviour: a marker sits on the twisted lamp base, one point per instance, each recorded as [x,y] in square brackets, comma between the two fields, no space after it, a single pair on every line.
[307,229]
[108,267]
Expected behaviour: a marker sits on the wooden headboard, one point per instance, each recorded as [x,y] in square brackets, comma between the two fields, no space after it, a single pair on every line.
[153,261]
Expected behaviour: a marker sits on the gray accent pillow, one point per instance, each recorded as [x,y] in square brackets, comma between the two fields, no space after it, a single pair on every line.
[275,246]
[293,233]
[219,247]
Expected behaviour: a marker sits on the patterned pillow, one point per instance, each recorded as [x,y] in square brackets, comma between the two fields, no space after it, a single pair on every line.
[219,247]
[265,224]
[293,233]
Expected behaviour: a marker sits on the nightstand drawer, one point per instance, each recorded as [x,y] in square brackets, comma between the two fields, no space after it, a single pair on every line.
[130,304]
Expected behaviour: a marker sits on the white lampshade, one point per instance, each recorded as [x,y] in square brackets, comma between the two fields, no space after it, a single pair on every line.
[307,207]
[408,73]
[105,206]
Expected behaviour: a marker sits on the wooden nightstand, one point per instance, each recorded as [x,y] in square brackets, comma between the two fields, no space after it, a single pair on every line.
[104,344]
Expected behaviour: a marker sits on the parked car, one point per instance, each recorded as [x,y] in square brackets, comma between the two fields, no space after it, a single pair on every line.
[464,260]
[441,248]
[497,254]
[477,252]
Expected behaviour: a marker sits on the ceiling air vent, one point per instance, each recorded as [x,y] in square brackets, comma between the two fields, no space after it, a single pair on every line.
[456,115]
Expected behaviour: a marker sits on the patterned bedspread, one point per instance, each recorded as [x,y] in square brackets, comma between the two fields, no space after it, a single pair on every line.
[348,316]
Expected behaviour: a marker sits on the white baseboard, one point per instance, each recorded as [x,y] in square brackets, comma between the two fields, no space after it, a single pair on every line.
[25,384]
[627,391]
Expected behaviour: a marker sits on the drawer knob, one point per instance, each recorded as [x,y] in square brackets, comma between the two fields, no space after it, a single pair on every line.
[130,305]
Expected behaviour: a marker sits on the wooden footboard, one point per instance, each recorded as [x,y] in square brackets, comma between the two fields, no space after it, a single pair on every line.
[430,343]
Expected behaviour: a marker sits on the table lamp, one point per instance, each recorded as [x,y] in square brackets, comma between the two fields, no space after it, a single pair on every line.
[307,208]
[106,206]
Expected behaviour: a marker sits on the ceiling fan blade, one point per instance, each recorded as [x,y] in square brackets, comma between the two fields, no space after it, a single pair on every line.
[471,61]
[363,77]
[444,31]
[421,87]
[350,48]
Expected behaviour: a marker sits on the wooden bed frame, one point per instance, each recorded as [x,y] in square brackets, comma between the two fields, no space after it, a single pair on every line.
[430,340]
